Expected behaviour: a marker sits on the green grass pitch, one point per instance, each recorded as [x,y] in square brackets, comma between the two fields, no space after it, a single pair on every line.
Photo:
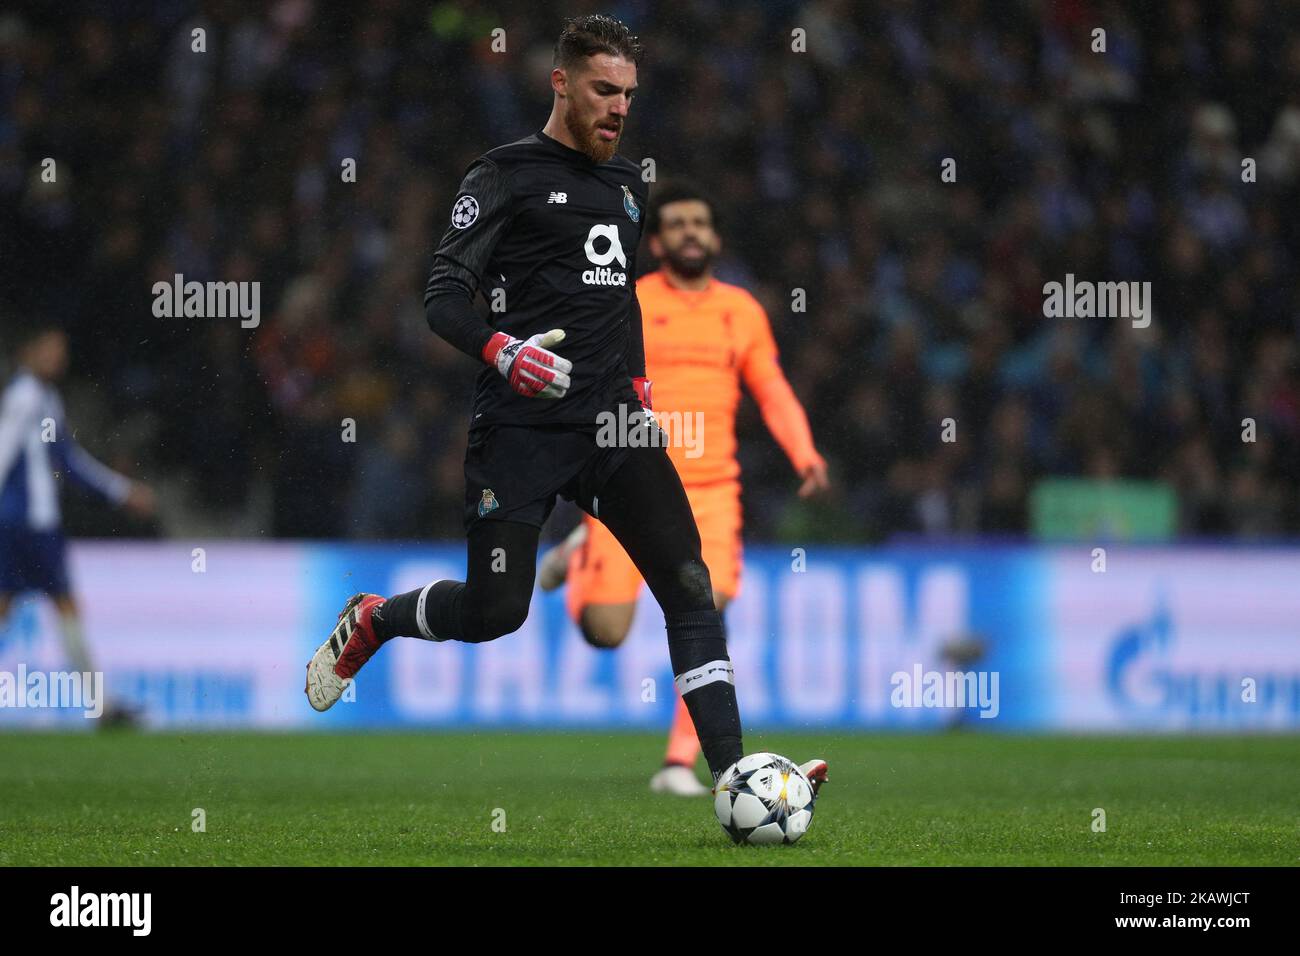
[581,798]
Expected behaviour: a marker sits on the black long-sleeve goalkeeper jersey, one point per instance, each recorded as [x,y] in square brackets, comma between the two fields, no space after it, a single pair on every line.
[549,237]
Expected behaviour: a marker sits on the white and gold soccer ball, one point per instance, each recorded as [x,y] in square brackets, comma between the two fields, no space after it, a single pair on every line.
[764,798]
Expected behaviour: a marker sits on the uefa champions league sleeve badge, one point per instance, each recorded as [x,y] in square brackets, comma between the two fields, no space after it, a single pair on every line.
[464,212]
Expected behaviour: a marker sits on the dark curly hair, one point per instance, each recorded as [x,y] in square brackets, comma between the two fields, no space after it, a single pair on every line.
[595,33]
[671,191]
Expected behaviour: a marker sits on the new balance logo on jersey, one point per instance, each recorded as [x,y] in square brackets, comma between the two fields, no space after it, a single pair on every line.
[558,198]
[604,275]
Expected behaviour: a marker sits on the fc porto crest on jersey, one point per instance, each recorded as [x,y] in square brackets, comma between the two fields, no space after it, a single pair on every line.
[630,207]
[488,503]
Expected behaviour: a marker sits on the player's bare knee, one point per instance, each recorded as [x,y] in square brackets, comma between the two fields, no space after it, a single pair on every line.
[601,635]
[606,625]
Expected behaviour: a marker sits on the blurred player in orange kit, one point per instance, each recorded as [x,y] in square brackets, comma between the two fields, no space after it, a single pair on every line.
[703,338]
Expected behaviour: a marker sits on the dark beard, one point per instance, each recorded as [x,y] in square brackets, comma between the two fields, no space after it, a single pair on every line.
[595,148]
[689,268]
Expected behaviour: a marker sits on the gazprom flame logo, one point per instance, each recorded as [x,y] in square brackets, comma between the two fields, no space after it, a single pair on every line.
[1136,662]
[1156,679]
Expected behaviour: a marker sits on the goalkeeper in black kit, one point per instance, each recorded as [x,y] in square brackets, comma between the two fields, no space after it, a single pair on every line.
[548,228]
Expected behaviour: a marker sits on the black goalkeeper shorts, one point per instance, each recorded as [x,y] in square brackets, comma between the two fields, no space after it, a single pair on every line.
[514,472]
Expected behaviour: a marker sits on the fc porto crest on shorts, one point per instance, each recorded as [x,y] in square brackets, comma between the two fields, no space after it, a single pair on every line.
[630,207]
[488,503]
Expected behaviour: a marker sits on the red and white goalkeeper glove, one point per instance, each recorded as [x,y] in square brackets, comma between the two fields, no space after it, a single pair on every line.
[530,366]
[642,388]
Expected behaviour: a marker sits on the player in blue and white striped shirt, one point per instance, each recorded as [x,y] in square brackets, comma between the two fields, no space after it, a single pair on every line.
[36,448]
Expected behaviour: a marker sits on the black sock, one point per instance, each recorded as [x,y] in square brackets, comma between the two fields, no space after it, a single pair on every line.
[702,670]
[400,615]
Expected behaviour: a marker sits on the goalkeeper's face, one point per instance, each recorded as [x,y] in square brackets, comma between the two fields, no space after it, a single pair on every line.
[598,96]
[686,240]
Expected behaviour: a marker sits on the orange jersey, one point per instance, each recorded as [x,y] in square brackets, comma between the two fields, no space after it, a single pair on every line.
[699,346]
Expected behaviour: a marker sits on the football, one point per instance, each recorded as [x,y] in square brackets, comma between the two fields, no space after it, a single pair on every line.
[764,798]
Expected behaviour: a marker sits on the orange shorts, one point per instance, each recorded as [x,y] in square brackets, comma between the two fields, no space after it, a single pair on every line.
[600,572]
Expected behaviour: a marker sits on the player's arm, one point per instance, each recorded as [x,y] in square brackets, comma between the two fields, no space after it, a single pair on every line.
[18,413]
[481,215]
[782,412]
[83,469]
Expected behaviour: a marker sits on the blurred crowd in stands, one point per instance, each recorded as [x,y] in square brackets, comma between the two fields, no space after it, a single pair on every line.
[924,297]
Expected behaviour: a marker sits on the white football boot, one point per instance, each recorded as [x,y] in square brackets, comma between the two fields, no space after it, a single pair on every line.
[816,772]
[679,781]
[345,651]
